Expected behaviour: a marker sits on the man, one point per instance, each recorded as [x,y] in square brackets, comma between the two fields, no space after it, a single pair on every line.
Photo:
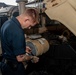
[13,42]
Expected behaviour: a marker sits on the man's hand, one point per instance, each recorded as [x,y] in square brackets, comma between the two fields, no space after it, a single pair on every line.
[28,50]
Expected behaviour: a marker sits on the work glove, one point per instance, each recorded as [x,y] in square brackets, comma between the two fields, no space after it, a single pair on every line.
[34,59]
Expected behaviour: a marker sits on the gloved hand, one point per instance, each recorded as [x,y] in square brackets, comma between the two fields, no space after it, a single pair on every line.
[34,59]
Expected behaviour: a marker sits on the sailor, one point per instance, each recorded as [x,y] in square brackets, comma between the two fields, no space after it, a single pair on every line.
[13,42]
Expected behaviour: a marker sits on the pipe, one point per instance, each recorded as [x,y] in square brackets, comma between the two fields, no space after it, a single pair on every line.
[21,5]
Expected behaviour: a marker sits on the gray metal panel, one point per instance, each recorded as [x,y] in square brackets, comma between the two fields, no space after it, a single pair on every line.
[32,46]
[21,1]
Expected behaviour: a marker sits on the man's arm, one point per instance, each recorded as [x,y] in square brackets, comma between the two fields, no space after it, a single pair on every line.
[25,57]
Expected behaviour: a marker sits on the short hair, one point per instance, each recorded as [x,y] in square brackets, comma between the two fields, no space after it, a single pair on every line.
[33,13]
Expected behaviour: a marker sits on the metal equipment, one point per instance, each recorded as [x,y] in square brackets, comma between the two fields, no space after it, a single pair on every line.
[63,11]
[38,46]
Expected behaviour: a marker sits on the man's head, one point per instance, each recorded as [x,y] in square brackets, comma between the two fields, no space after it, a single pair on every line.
[29,18]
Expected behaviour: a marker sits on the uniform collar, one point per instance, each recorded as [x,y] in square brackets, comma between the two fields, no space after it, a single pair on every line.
[16,21]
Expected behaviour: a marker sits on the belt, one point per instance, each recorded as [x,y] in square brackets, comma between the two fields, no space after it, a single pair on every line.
[9,61]
[12,64]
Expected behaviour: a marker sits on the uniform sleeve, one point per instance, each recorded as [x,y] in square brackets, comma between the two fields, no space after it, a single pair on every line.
[18,43]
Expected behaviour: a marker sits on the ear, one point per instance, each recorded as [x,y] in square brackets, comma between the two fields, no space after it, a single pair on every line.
[26,18]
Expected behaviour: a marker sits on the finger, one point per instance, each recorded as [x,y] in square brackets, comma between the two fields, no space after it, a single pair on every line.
[28,47]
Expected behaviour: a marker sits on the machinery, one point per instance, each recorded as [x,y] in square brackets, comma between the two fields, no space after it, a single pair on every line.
[57,25]
[57,19]
[62,11]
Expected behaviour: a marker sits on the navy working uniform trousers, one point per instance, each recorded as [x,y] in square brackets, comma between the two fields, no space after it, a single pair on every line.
[15,68]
